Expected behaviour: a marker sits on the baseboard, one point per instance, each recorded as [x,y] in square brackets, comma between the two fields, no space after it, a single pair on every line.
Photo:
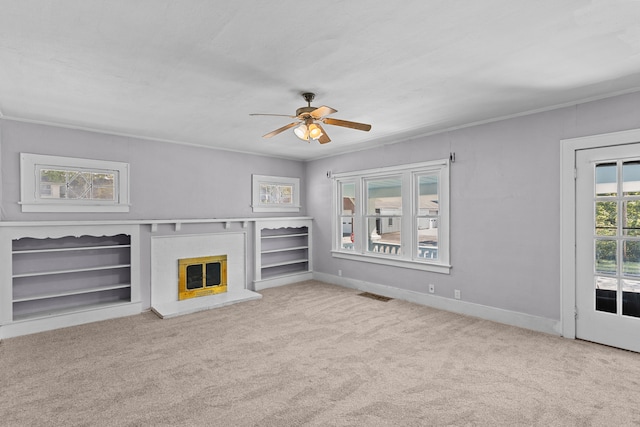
[79,317]
[513,318]
[259,285]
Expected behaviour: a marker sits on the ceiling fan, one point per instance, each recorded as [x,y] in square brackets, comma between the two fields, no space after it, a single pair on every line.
[310,120]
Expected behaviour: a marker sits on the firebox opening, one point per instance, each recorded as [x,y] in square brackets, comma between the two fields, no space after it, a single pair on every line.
[202,276]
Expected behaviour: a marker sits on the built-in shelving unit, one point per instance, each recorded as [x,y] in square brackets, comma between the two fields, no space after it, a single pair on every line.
[283,252]
[66,275]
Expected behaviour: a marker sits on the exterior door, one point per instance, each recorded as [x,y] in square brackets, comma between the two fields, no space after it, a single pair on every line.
[608,246]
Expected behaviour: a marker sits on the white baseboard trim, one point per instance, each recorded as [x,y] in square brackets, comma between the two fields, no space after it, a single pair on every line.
[79,317]
[513,318]
[259,285]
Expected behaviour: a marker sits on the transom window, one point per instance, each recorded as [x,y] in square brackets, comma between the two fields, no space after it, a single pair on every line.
[77,184]
[275,194]
[66,184]
[395,215]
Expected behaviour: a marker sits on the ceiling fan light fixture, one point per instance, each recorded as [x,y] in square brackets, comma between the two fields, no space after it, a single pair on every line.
[314,131]
[302,132]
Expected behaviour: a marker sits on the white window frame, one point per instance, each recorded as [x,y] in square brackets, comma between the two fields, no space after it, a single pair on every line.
[258,206]
[410,214]
[30,200]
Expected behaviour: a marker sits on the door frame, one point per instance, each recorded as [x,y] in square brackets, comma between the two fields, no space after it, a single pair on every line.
[568,149]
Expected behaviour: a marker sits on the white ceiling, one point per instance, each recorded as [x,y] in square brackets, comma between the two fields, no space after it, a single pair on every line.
[192,71]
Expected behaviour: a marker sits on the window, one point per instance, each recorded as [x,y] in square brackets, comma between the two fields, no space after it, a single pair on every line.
[396,216]
[66,184]
[275,194]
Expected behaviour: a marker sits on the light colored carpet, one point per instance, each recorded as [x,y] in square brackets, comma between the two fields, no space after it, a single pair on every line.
[313,354]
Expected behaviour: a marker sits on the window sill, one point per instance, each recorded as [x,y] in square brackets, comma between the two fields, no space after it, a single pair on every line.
[403,263]
[55,207]
[263,208]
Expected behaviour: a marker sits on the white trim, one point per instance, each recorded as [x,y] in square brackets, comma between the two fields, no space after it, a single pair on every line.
[386,170]
[568,148]
[258,206]
[394,262]
[513,318]
[29,183]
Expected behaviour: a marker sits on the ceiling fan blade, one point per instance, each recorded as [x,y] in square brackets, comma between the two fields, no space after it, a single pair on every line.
[321,112]
[324,138]
[278,115]
[282,129]
[347,124]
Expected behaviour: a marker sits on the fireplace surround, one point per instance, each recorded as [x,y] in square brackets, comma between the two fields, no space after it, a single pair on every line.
[166,251]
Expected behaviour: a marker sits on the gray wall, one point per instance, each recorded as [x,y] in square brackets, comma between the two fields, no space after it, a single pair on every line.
[167,180]
[505,205]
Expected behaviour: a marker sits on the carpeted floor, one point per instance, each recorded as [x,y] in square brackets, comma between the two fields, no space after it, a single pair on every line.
[313,354]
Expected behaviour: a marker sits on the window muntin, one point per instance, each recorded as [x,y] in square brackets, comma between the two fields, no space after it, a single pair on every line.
[403,219]
[70,184]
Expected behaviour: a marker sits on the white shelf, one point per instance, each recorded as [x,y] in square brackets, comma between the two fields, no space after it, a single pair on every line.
[67,273]
[69,249]
[283,251]
[64,311]
[288,262]
[280,236]
[72,270]
[294,248]
[71,293]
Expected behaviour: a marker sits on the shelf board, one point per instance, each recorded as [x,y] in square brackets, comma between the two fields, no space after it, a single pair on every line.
[74,270]
[295,248]
[288,262]
[71,293]
[69,249]
[278,236]
[77,309]
[267,277]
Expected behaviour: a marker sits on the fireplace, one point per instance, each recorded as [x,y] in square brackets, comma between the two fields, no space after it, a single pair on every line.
[202,276]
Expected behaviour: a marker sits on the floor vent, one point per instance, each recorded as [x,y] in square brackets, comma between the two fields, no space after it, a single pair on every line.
[375,296]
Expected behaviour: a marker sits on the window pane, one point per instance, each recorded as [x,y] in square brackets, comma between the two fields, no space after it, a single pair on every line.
[103,186]
[384,235]
[631,298]
[631,258]
[606,179]
[384,196]
[631,178]
[428,238]
[52,183]
[606,218]
[606,294]
[276,194]
[428,195]
[348,192]
[348,234]
[606,257]
[78,185]
[631,218]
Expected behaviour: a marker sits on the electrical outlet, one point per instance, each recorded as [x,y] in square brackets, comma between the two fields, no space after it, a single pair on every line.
[456,294]
[432,288]
[340,273]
